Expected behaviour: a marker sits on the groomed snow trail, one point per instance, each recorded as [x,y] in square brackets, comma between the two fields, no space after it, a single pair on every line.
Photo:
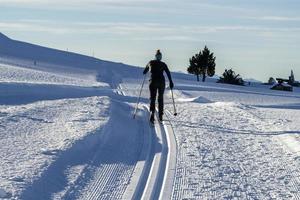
[99,167]
[88,147]
[68,136]
[156,174]
[60,147]
[108,174]
[232,151]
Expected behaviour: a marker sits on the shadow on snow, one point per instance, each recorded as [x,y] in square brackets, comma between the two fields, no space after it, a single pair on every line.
[115,143]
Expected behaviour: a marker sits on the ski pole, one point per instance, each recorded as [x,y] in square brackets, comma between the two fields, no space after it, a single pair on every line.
[138,100]
[175,113]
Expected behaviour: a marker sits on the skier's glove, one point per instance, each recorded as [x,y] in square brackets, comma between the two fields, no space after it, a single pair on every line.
[145,70]
[171,85]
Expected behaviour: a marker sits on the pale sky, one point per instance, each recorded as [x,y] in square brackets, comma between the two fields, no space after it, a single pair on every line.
[257,38]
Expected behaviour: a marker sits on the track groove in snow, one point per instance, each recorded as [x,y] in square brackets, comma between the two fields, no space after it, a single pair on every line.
[157,182]
[140,174]
[156,175]
[169,177]
[108,175]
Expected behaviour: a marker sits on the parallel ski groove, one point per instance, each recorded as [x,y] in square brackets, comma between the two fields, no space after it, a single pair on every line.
[139,176]
[155,178]
[169,178]
[160,178]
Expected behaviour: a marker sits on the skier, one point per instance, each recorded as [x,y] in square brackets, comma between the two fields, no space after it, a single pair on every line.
[157,84]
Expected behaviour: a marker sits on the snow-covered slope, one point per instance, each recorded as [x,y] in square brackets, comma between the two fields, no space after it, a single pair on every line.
[37,57]
[56,111]
[66,132]
[27,51]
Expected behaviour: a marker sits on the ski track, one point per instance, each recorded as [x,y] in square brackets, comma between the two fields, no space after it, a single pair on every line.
[157,177]
[108,175]
[159,152]
[228,152]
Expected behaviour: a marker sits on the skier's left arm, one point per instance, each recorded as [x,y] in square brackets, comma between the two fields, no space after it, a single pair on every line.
[169,76]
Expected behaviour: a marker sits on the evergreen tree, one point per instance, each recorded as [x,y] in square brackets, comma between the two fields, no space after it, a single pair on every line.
[271,81]
[203,64]
[194,68]
[230,77]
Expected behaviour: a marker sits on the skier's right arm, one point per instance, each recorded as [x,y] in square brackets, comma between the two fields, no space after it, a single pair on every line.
[169,76]
[146,69]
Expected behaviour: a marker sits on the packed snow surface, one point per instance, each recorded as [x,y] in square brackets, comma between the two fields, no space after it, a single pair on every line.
[234,142]
[67,132]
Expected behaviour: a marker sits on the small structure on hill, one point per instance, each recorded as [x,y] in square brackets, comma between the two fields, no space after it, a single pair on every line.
[292,81]
[282,85]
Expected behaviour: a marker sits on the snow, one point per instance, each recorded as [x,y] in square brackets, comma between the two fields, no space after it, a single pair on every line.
[13,74]
[35,135]
[230,151]
[234,142]
[3,194]
[238,144]
[66,132]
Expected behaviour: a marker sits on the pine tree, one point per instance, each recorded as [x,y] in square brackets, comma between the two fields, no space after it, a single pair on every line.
[271,81]
[203,64]
[194,68]
[230,77]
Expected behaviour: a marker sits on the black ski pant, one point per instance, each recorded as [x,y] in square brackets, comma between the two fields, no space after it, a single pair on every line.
[154,88]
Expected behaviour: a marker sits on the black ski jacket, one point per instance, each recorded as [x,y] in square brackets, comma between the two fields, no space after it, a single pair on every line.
[157,69]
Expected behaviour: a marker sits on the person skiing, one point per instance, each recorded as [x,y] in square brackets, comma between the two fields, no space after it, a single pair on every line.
[157,84]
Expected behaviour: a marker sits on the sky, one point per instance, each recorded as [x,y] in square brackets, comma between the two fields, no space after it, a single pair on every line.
[257,39]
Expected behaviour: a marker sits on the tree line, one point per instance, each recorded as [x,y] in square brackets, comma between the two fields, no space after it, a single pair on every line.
[204,64]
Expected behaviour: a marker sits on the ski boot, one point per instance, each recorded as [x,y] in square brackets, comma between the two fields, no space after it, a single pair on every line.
[152,118]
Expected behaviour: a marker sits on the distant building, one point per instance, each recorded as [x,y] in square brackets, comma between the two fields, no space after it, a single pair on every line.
[281,85]
[292,81]
[291,78]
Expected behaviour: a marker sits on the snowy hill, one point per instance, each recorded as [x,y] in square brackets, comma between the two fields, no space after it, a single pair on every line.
[23,50]
[17,52]
[27,51]
[67,132]
[48,59]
